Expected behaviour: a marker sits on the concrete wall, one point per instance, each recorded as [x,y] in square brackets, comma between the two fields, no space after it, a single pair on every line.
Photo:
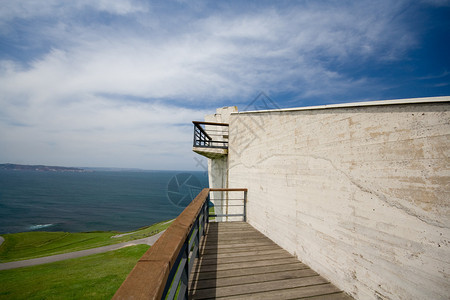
[361,194]
[218,167]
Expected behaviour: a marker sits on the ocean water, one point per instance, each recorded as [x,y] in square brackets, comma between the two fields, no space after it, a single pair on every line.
[91,201]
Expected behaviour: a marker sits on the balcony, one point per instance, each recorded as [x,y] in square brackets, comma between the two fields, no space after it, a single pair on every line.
[210,139]
[197,258]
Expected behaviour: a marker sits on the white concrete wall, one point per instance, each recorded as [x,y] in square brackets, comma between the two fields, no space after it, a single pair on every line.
[361,194]
[218,167]
[217,173]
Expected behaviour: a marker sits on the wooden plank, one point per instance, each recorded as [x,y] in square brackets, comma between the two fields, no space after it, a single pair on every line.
[244,252]
[293,293]
[261,263]
[241,244]
[251,288]
[225,224]
[230,228]
[204,261]
[196,275]
[232,234]
[264,277]
[239,240]
[234,239]
[213,241]
[244,248]
[234,228]
[226,234]
[230,224]
[232,231]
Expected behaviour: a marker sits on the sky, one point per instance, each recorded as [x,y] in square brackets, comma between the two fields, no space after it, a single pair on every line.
[117,83]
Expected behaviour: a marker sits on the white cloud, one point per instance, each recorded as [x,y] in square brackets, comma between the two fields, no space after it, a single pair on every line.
[74,100]
[100,132]
[222,56]
[25,9]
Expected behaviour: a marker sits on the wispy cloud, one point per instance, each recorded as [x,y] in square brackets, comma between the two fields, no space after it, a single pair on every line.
[220,56]
[36,8]
[81,66]
[435,76]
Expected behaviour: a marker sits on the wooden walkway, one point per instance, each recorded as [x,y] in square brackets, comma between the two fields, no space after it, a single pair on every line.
[238,262]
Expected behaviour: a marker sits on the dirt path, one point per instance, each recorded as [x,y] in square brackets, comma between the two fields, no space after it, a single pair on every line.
[49,259]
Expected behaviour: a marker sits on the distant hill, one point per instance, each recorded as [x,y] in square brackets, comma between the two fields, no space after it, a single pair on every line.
[41,168]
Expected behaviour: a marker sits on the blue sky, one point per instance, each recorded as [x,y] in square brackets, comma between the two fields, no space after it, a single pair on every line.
[117,83]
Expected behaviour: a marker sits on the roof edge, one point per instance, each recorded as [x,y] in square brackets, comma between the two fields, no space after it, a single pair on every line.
[424,100]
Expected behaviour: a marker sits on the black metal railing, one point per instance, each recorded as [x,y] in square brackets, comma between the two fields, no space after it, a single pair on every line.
[210,135]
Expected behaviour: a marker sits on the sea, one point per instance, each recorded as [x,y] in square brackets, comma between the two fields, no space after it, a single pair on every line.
[95,200]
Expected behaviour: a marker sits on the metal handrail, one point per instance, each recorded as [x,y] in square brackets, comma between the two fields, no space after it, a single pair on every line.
[210,123]
[208,137]
[163,271]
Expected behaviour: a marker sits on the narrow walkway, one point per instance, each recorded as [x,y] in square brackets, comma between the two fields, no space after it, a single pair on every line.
[238,262]
[49,259]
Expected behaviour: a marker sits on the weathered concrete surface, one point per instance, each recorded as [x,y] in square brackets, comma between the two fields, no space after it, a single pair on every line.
[361,194]
[212,153]
[218,167]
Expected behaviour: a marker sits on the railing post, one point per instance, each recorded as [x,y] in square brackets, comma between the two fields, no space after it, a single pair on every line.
[245,206]
[185,276]
[197,237]
[207,209]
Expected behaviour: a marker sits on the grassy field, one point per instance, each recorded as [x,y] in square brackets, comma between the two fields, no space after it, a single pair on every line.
[91,277]
[26,245]
[211,212]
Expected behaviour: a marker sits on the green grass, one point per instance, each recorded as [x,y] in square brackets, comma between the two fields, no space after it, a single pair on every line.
[211,212]
[27,245]
[96,276]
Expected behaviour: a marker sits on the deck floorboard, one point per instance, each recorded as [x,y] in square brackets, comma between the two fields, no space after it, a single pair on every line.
[238,262]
